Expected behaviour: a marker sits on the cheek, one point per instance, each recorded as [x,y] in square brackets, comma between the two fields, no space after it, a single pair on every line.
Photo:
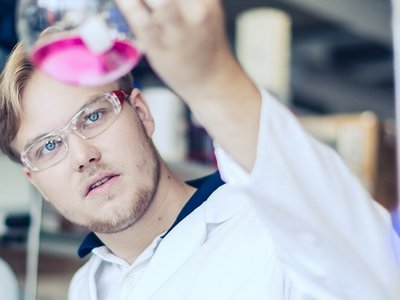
[52,184]
[125,138]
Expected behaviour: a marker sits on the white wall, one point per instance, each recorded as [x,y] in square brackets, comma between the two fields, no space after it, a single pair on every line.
[15,190]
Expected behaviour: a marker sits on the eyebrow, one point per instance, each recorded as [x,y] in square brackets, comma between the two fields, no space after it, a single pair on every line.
[35,139]
[40,136]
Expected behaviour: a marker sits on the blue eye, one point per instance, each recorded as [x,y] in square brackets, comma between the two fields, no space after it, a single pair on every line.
[93,119]
[94,116]
[50,145]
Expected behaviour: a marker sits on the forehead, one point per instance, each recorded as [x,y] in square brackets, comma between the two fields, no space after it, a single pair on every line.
[54,95]
[49,104]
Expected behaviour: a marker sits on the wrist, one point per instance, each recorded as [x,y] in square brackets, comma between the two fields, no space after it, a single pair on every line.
[228,82]
[216,81]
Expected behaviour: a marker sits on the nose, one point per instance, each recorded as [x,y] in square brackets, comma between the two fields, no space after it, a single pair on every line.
[82,153]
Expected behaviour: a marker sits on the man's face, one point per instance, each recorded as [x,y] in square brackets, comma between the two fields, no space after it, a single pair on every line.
[123,155]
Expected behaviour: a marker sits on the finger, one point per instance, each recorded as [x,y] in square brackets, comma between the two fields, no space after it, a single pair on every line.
[194,12]
[153,4]
[136,12]
[169,17]
[168,13]
[146,5]
[138,16]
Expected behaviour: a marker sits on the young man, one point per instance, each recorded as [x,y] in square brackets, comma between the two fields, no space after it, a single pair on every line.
[291,222]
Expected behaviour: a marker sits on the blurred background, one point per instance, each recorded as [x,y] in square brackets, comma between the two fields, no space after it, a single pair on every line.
[329,61]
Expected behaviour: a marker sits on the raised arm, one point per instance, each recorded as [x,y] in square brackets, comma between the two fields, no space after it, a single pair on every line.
[334,240]
[185,43]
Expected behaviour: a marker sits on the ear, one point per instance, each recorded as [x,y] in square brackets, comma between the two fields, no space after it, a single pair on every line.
[137,101]
[28,175]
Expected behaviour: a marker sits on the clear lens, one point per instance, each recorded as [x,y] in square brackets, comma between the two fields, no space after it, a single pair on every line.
[46,151]
[97,116]
[92,120]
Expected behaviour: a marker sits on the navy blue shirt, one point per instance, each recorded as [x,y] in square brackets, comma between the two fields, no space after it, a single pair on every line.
[205,187]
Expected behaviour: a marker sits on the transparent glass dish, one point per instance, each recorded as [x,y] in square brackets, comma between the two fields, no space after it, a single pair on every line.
[82,42]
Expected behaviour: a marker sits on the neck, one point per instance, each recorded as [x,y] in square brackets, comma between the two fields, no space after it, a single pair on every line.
[172,194]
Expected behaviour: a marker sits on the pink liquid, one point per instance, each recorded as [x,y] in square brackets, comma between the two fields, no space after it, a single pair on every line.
[71,61]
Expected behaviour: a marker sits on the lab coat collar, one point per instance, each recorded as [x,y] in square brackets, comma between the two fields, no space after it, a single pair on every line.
[90,242]
[187,237]
[172,252]
[205,187]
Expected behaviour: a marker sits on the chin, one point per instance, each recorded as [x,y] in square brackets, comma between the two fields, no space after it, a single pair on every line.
[118,214]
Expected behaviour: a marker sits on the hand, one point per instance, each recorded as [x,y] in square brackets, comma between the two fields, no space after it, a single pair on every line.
[185,43]
[183,40]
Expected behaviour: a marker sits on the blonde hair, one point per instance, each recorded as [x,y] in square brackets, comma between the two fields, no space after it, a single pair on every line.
[16,73]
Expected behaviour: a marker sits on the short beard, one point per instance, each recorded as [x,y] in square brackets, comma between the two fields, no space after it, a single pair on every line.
[125,217]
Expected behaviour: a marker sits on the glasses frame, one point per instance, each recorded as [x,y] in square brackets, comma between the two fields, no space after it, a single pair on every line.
[118,97]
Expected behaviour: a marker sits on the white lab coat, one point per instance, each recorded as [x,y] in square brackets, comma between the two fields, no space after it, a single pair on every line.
[300,226]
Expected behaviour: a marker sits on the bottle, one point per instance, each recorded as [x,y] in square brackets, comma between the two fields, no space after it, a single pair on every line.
[82,42]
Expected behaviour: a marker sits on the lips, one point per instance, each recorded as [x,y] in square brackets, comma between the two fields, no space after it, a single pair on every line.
[98,181]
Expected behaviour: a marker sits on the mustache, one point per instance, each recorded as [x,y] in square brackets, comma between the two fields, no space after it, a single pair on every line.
[91,171]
